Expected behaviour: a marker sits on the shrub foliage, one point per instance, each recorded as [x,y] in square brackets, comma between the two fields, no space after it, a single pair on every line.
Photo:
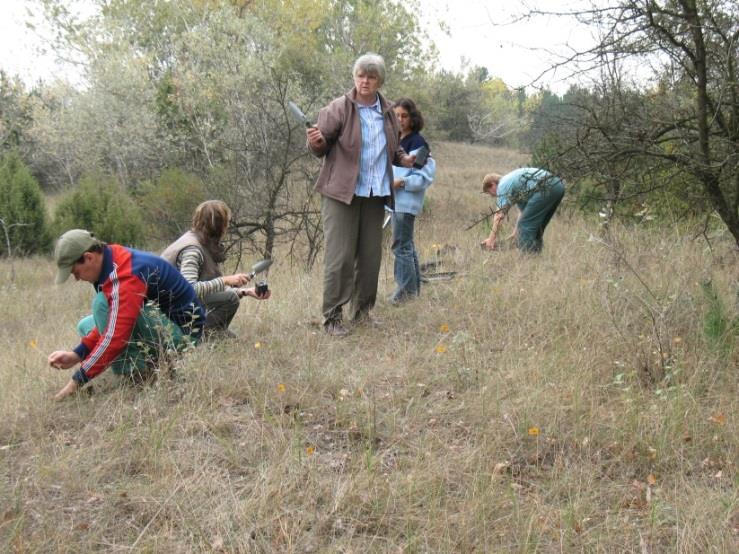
[23,223]
[102,206]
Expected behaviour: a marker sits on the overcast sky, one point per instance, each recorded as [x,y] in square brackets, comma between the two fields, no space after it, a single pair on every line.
[479,33]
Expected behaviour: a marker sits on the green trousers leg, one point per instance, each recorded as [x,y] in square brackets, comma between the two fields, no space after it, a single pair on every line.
[536,215]
[153,334]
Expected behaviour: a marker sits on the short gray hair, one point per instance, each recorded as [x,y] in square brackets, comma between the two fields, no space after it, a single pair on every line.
[372,64]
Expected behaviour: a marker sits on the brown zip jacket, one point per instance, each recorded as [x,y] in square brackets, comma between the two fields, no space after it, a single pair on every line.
[340,125]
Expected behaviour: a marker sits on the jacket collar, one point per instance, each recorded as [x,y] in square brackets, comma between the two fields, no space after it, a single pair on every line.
[384,104]
[107,268]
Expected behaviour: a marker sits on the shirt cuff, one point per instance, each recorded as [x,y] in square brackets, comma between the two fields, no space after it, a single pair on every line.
[80,377]
[82,351]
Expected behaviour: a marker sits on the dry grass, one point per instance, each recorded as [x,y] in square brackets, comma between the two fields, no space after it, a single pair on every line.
[531,405]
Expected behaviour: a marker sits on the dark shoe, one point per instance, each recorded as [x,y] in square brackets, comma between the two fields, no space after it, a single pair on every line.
[335,329]
[364,318]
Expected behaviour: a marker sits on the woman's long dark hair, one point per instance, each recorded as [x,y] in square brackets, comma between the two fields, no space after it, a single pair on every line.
[416,118]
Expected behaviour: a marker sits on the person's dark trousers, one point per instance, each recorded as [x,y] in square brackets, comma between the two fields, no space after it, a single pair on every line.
[352,257]
[536,215]
[220,309]
[406,271]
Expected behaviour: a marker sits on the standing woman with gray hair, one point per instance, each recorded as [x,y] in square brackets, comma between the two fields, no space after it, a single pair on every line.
[357,136]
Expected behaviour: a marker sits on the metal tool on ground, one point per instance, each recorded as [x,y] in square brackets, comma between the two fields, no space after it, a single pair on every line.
[435,270]
[298,114]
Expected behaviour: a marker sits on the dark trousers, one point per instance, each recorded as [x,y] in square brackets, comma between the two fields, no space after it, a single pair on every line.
[353,253]
[220,309]
[536,214]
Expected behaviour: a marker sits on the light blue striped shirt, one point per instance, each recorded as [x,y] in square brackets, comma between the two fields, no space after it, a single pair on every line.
[373,174]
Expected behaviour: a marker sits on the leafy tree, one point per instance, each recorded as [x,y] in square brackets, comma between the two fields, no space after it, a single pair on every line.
[205,88]
[683,124]
[15,114]
[22,212]
[168,203]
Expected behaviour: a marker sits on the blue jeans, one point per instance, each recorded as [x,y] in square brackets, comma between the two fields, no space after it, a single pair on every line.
[407,273]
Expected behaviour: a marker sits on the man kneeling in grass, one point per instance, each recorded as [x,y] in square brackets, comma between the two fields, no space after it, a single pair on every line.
[143,307]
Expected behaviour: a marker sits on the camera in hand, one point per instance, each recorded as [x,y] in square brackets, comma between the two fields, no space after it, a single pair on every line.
[261,288]
[422,155]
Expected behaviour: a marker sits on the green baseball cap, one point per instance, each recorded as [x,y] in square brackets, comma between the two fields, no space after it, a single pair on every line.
[69,248]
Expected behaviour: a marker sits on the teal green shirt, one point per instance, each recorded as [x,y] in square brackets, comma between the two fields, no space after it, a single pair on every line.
[517,186]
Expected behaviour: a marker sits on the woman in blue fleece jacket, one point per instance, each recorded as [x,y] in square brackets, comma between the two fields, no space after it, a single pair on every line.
[409,186]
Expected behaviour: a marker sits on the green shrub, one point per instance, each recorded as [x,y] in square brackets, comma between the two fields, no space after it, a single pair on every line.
[168,203]
[24,223]
[101,205]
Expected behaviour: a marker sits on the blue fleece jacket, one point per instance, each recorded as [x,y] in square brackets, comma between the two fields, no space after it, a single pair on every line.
[409,198]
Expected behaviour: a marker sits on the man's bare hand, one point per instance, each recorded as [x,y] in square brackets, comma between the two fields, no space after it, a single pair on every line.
[488,244]
[62,359]
[69,389]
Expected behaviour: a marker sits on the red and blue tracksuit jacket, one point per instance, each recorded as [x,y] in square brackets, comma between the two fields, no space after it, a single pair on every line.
[129,278]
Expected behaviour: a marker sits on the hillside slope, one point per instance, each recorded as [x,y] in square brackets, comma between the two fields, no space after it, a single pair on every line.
[571,402]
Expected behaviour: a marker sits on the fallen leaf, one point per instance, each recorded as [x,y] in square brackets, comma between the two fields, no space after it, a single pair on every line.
[652,479]
[718,419]
[9,514]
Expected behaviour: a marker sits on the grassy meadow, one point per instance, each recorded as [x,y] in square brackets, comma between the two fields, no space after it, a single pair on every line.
[581,401]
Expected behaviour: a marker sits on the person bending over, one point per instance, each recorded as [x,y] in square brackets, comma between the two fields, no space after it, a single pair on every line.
[142,308]
[536,192]
[198,255]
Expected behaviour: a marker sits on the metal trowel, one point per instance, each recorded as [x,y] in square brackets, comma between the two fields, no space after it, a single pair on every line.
[298,114]
[260,266]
